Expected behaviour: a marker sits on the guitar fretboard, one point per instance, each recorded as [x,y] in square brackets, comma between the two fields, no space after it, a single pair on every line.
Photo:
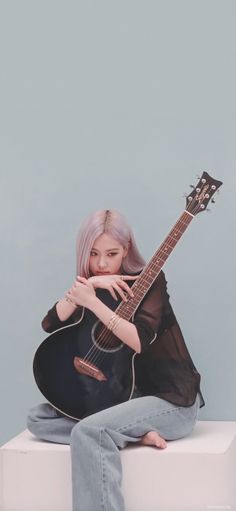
[153,267]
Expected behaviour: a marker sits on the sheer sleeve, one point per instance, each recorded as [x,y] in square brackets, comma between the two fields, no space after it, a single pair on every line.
[149,316]
[52,322]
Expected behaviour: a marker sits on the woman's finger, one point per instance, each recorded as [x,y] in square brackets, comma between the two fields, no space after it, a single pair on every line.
[113,294]
[83,279]
[125,286]
[128,277]
[119,290]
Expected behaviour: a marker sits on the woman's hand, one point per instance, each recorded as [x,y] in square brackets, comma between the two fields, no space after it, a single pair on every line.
[81,293]
[113,283]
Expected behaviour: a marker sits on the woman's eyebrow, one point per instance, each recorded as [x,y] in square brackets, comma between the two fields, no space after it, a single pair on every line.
[108,250]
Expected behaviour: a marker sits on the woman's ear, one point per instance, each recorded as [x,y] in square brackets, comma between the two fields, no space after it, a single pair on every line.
[126,249]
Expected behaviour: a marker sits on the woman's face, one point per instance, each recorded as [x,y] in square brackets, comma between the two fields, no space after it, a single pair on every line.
[106,256]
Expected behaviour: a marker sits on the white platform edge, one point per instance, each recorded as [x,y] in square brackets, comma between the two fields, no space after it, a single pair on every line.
[207,437]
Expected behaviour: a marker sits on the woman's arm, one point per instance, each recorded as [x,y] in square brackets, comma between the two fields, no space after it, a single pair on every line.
[83,293]
[65,308]
[63,313]
[125,331]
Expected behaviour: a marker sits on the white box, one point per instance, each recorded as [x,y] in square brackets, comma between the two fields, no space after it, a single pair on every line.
[196,473]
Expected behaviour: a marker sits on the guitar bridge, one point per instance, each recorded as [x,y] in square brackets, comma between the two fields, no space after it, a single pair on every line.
[88,369]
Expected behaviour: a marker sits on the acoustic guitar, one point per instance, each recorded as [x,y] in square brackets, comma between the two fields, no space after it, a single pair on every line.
[84,368]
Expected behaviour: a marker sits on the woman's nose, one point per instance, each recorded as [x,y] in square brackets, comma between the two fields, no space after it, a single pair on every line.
[102,263]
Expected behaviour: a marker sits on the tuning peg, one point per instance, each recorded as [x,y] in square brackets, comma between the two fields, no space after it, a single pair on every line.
[208,210]
[192,186]
[213,200]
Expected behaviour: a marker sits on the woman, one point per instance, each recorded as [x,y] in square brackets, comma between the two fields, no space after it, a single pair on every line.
[165,402]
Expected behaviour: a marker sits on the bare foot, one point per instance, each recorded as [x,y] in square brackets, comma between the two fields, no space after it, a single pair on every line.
[153,438]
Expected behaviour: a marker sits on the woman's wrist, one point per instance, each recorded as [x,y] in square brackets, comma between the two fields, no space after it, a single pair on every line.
[92,303]
[92,281]
[125,330]
[67,299]
[65,308]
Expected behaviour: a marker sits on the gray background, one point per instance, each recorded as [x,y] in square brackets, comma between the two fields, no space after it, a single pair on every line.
[116,104]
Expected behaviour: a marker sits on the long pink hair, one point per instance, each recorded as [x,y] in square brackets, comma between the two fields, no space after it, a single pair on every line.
[112,222]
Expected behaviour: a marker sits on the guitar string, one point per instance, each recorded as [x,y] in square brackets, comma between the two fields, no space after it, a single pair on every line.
[105,337]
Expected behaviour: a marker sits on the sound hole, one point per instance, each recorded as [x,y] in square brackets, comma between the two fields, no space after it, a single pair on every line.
[104,339]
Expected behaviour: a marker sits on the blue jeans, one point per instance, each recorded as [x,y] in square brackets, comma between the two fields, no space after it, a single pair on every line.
[96,440]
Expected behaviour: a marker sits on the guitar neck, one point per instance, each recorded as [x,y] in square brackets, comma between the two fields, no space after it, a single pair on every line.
[154,266]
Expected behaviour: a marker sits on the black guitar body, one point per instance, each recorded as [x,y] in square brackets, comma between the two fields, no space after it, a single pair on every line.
[78,395]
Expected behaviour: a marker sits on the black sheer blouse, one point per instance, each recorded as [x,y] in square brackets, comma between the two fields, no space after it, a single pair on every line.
[164,367]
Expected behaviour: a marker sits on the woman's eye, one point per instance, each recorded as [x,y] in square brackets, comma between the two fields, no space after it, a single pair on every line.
[110,254]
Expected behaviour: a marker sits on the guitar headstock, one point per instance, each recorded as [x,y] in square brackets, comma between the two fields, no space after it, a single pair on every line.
[203,192]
